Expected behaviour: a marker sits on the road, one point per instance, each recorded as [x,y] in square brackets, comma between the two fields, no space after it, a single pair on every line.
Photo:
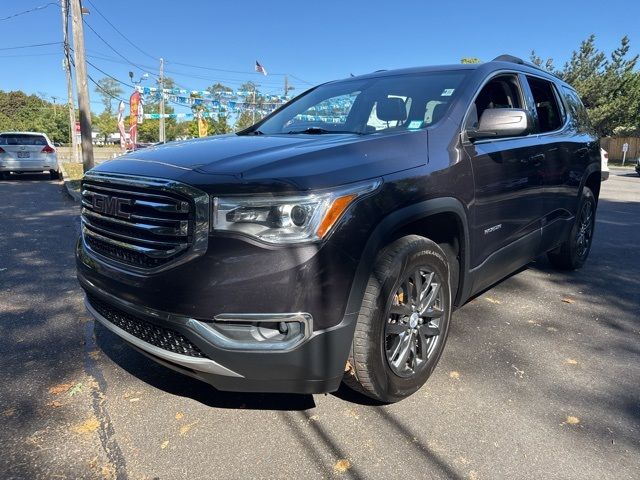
[540,378]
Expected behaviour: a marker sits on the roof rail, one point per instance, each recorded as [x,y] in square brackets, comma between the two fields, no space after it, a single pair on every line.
[518,60]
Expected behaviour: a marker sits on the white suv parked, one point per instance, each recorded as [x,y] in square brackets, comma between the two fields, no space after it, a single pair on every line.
[27,152]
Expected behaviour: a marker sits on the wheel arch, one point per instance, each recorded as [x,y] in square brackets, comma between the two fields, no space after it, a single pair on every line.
[422,219]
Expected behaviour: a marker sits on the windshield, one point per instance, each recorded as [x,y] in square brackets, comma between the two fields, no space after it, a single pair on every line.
[363,106]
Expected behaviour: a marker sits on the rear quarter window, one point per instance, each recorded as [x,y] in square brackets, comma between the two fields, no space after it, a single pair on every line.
[578,116]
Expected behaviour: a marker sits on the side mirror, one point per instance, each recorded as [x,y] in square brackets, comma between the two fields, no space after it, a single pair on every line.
[501,122]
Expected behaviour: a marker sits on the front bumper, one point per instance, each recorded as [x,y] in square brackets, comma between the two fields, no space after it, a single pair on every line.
[314,365]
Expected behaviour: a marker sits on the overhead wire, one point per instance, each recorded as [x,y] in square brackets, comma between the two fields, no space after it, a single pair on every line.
[31,10]
[33,45]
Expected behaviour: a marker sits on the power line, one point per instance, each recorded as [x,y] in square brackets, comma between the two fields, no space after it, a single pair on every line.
[100,86]
[35,9]
[113,49]
[34,45]
[110,76]
[119,32]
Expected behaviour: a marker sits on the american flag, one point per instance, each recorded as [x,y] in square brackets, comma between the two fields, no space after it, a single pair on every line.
[260,68]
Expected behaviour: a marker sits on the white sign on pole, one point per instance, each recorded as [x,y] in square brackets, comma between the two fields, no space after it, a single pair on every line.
[625,149]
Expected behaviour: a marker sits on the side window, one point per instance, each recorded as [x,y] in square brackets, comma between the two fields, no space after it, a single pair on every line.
[502,91]
[577,113]
[547,107]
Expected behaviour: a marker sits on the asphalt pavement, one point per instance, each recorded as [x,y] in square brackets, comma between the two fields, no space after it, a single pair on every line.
[540,378]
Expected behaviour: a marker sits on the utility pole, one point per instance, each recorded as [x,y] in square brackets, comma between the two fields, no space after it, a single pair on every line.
[81,85]
[286,86]
[161,81]
[73,156]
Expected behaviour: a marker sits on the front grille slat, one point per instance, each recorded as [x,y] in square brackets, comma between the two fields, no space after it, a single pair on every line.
[142,225]
[161,337]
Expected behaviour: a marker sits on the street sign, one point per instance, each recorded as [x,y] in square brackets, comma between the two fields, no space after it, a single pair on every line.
[625,149]
[77,127]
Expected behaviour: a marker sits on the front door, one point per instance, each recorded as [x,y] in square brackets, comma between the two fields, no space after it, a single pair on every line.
[506,215]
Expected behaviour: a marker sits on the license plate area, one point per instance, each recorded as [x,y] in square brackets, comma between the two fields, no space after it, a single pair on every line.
[24,154]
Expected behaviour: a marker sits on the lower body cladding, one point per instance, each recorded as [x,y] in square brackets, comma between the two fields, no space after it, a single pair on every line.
[300,352]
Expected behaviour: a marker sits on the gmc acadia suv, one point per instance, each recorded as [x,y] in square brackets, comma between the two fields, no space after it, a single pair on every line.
[333,239]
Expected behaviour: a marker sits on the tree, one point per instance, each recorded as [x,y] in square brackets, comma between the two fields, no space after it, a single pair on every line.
[19,111]
[467,60]
[109,90]
[106,124]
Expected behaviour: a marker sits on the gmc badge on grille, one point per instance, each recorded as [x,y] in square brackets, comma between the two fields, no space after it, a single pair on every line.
[110,205]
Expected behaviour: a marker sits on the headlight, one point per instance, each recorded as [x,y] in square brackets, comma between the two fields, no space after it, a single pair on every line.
[286,219]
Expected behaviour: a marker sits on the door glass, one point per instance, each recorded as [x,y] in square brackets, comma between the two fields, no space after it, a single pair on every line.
[546,100]
[501,92]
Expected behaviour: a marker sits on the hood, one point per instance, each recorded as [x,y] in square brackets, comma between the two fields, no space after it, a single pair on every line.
[303,161]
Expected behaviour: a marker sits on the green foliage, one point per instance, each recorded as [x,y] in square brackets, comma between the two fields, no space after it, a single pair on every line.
[21,112]
[108,89]
[106,124]
[609,85]
[468,60]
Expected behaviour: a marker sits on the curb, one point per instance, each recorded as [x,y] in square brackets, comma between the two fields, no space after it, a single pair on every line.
[70,191]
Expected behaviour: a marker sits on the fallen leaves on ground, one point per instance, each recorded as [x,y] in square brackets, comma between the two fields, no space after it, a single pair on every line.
[185,428]
[134,399]
[352,412]
[455,375]
[179,415]
[9,412]
[60,388]
[55,404]
[571,420]
[88,426]
[492,300]
[568,300]
[164,444]
[342,465]
[571,361]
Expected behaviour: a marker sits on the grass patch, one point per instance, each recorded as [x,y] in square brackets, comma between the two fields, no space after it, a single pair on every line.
[74,170]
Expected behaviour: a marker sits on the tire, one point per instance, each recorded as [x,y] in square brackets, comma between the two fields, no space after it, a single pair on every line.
[4,175]
[573,252]
[55,175]
[393,354]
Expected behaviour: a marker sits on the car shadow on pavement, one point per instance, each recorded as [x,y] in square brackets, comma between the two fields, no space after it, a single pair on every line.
[176,383]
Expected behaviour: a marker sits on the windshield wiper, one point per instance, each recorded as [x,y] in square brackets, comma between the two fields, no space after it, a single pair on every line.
[320,131]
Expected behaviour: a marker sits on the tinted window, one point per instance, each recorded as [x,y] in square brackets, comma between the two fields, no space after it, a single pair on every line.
[577,113]
[399,102]
[22,139]
[500,92]
[546,102]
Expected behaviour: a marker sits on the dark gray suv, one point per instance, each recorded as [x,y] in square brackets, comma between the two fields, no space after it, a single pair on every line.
[333,240]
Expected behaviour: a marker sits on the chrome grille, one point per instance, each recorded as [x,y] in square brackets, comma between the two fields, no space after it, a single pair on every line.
[142,223]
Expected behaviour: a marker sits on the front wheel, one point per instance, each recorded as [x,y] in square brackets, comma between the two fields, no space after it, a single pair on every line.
[573,252]
[403,322]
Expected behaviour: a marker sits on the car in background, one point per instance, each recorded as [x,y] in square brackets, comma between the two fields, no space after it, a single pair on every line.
[638,166]
[604,167]
[22,152]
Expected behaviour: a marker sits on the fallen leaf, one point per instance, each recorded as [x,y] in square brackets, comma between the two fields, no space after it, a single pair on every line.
[314,418]
[455,375]
[95,354]
[568,300]
[88,426]
[179,415]
[185,428]
[342,465]
[572,420]
[55,404]
[135,399]
[519,373]
[351,412]
[9,412]
[552,329]
[60,388]
[492,300]
[571,361]
[164,444]
[473,475]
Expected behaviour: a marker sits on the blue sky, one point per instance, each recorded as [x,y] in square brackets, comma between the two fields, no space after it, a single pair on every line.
[311,41]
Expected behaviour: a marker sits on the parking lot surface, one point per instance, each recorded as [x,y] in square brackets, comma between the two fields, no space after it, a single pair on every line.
[540,377]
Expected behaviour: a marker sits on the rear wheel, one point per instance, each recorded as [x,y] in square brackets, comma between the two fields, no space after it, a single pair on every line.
[573,252]
[404,320]
[4,175]
[55,174]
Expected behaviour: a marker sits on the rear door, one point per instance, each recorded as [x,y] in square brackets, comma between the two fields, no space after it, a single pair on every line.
[508,185]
